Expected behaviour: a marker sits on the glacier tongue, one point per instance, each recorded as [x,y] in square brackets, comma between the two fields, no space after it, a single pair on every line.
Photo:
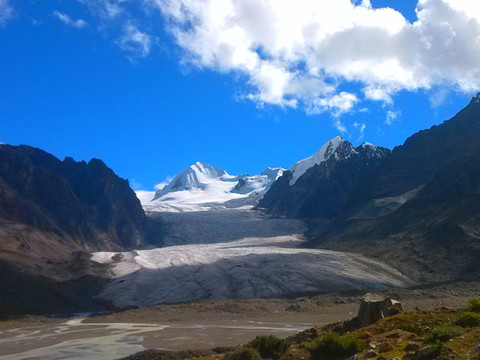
[247,268]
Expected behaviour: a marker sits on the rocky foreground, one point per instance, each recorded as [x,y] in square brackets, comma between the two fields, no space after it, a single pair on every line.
[431,332]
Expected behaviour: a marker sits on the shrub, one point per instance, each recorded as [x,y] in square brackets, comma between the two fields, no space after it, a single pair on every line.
[430,352]
[269,347]
[334,346]
[245,353]
[468,319]
[474,305]
[441,334]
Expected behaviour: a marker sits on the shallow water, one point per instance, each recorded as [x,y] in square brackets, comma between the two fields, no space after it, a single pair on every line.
[75,339]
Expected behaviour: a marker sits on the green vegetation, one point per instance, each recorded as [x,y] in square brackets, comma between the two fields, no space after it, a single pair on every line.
[468,319]
[245,353]
[432,334]
[474,305]
[334,346]
[431,352]
[269,347]
[442,334]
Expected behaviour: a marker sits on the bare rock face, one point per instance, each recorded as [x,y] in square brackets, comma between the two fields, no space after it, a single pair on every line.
[374,308]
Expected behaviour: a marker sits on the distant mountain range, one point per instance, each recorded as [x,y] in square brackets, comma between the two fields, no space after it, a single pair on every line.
[416,208]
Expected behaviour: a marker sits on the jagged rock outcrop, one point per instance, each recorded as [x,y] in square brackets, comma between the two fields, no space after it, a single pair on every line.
[374,308]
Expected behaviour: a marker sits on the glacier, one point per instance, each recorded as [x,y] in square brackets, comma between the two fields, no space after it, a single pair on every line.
[247,268]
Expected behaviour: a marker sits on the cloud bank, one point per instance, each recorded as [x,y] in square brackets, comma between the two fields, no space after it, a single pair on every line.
[318,56]
[302,53]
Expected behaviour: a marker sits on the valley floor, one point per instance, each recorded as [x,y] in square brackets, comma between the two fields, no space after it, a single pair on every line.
[204,324]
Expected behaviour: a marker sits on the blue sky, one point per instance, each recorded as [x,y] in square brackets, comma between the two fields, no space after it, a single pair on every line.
[150,88]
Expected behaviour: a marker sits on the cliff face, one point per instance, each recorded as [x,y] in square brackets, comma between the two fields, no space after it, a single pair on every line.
[83,201]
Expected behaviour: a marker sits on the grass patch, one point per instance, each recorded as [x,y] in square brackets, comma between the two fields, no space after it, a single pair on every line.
[269,347]
[245,353]
[474,305]
[468,319]
[431,352]
[418,323]
[334,346]
[442,334]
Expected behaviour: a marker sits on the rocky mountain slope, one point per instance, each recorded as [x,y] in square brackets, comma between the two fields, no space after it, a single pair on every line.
[416,208]
[86,202]
[422,155]
[320,186]
[52,214]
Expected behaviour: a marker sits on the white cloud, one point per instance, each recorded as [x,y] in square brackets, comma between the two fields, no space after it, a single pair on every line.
[392,116]
[298,53]
[6,11]
[339,126]
[161,185]
[361,129]
[336,104]
[67,20]
[135,185]
[438,97]
[106,9]
[134,41]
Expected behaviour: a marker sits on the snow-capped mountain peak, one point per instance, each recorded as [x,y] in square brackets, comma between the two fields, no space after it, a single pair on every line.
[326,151]
[196,176]
[204,187]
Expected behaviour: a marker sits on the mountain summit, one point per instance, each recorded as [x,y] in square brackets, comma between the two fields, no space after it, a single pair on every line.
[196,176]
[203,187]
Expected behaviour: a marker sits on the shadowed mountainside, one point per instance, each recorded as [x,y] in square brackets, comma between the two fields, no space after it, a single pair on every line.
[52,214]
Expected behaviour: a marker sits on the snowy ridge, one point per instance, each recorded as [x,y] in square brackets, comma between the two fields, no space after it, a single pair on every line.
[325,152]
[203,187]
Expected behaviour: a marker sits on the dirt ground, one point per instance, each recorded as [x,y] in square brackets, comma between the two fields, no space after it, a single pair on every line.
[316,309]
[207,324]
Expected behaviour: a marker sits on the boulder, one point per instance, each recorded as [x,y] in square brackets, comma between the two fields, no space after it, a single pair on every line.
[374,308]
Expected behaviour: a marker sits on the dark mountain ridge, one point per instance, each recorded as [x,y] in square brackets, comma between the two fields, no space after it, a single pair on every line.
[52,215]
[419,208]
[323,190]
[422,155]
[84,201]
